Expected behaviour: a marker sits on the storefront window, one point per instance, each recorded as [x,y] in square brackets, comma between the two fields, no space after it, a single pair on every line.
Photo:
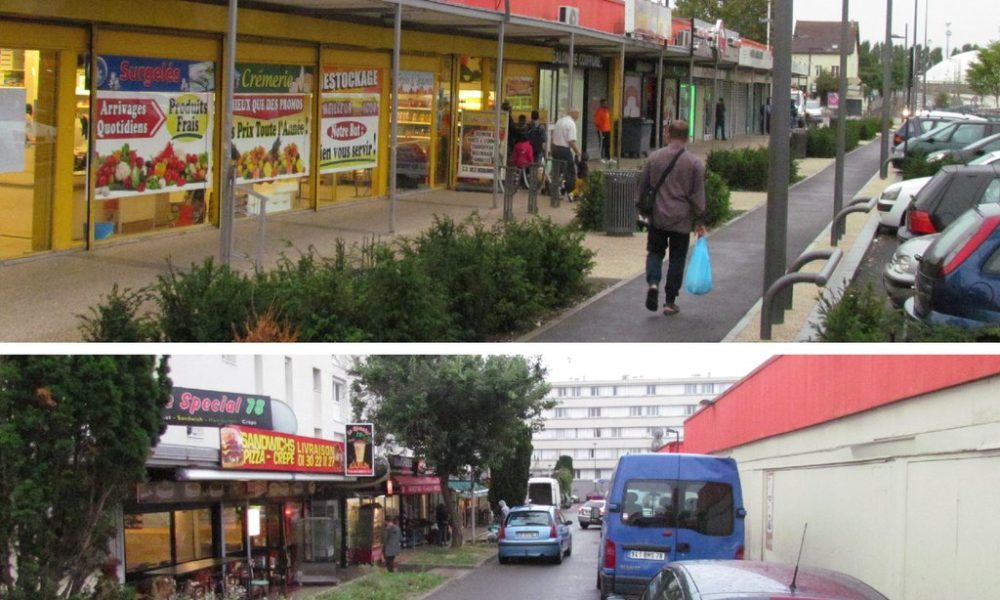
[232,530]
[416,106]
[351,117]
[271,136]
[153,144]
[27,149]
[193,534]
[147,541]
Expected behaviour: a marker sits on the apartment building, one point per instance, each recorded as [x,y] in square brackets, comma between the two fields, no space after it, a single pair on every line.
[595,422]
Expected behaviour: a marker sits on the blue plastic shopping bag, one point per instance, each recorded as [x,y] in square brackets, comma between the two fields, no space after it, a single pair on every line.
[698,279]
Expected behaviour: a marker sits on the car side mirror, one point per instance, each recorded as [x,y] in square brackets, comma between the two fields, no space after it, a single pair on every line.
[980,152]
[741,513]
[931,140]
[614,507]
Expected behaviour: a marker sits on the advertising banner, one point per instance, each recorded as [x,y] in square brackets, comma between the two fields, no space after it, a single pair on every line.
[478,156]
[349,119]
[249,448]
[207,408]
[153,121]
[361,449]
[12,134]
[520,92]
[271,114]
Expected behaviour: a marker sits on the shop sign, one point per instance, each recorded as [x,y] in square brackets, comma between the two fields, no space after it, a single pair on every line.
[249,448]
[350,114]
[520,92]
[154,124]
[360,449]
[588,61]
[271,113]
[650,18]
[756,58]
[407,464]
[207,408]
[478,157]
[185,491]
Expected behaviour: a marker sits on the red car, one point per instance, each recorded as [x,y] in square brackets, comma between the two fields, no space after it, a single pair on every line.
[742,579]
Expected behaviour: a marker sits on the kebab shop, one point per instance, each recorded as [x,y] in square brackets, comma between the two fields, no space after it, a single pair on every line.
[256,517]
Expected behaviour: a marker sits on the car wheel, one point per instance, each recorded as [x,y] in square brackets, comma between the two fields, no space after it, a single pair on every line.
[605,591]
[569,550]
[584,525]
[503,560]
[559,557]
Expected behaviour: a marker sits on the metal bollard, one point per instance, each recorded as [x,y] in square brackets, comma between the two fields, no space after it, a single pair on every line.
[533,185]
[555,182]
[511,180]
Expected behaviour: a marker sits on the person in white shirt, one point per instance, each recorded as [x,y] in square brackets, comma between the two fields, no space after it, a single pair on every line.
[564,147]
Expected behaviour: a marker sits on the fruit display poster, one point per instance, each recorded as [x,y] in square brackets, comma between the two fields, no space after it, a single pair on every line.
[249,448]
[478,156]
[350,119]
[153,121]
[271,115]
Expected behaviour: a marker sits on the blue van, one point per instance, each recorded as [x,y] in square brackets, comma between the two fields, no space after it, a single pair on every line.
[667,507]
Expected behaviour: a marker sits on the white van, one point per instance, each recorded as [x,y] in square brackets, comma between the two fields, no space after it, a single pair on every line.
[543,490]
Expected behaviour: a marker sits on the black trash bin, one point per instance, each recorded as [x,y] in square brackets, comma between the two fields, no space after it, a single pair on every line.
[620,187]
[636,134]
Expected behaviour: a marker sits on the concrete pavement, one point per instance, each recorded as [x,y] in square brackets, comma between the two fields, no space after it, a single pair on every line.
[42,296]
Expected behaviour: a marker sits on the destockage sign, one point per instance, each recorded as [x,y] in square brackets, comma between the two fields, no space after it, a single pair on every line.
[207,408]
[248,448]
[350,119]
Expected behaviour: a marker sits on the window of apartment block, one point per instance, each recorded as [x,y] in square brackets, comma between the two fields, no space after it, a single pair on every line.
[614,390]
[576,391]
[289,398]
[615,432]
[706,388]
[595,391]
[562,413]
[652,411]
[650,390]
[690,388]
[597,432]
[595,411]
[635,411]
[562,392]
[317,394]
[338,389]
[690,408]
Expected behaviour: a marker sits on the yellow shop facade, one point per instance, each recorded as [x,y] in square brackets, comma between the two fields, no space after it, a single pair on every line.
[111,114]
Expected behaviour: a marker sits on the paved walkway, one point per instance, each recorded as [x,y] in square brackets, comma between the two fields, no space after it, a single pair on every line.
[41,297]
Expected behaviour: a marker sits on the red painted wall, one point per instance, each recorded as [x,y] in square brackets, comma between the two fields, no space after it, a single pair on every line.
[602,15]
[788,393]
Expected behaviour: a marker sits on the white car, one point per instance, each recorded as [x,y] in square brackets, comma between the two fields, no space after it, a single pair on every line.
[987,159]
[814,112]
[895,199]
[901,271]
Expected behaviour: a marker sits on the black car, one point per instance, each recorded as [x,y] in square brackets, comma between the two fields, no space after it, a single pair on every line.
[952,191]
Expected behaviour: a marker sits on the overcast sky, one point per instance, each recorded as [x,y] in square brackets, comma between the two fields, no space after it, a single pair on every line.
[972,21]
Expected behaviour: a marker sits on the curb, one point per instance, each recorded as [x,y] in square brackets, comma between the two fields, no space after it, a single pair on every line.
[462,573]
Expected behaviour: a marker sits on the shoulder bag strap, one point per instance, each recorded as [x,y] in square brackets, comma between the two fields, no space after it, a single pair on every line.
[670,168]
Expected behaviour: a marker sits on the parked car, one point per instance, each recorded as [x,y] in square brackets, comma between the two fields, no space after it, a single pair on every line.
[591,513]
[734,579]
[922,122]
[814,112]
[987,159]
[949,137]
[958,280]
[964,155]
[952,191]
[895,199]
[535,531]
[901,270]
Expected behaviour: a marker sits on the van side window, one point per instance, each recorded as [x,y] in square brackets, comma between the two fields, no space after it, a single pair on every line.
[703,506]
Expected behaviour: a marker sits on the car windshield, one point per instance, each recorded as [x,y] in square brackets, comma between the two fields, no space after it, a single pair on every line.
[986,159]
[936,131]
[528,518]
[702,506]
[813,104]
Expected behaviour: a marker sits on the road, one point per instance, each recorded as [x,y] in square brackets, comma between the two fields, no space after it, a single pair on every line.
[574,579]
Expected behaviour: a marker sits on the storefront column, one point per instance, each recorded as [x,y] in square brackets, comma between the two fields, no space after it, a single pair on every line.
[228,183]
[572,63]
[659,101]
[62,198]
[397,34]
[498,85]
[618,94]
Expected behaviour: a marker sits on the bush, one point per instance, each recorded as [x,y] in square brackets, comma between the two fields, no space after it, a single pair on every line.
[917,165]
[209,303]
[117,319]
[868,128]
[857,315]
[589,209]
[557,263]
[717,203]
[745,168]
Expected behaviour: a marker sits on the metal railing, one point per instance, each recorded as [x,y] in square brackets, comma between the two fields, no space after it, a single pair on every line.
[791,277]
[858,205]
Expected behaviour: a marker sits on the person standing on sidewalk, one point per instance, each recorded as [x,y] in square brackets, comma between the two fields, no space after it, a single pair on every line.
[564,147]
[679,210]
[720,119]
[504,511]
[602,122]
[392,542]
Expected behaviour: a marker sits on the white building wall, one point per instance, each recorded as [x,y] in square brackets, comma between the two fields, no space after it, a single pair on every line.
[903,496]
[268,375]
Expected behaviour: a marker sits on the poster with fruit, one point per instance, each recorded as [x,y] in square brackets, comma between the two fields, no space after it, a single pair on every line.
[477,159]
[153,121]
[350,119]
[271,121]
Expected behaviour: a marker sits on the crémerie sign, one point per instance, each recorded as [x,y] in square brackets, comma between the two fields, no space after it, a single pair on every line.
[209,408]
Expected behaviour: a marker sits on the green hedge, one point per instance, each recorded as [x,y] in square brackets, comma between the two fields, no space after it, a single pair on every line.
[454,282]
[822,142]
[917,165]
[745,168]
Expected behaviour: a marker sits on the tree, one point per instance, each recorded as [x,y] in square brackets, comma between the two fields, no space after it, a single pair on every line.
[984,74]
[942,100]
[564,473]
[743,16]
[825,84]
[509,478]
[75,432]
[457,411]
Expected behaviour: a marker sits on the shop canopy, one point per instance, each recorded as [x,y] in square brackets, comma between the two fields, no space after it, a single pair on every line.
[417,484]
[462,487]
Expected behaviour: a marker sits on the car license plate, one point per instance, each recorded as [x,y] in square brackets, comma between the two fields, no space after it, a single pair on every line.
[527,534]
[646,555]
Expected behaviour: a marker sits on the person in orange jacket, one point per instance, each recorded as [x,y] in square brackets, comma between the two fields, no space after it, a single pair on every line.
[602,121]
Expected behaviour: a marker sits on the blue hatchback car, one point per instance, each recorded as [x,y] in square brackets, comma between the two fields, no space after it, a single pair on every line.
[535,531]
[958,280]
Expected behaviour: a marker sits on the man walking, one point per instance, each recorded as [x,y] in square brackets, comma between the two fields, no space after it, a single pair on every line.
[602,122]
[679,209]
[392,542]
[720,119]
[564,147]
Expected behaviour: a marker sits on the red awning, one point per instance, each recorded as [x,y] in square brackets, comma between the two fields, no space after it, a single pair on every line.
[417,484]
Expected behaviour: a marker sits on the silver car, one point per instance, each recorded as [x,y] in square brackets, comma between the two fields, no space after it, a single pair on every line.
[901,271]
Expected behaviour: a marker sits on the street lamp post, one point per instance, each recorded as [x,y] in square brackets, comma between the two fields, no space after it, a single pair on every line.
[595,465]
[886,76]
[677,435]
